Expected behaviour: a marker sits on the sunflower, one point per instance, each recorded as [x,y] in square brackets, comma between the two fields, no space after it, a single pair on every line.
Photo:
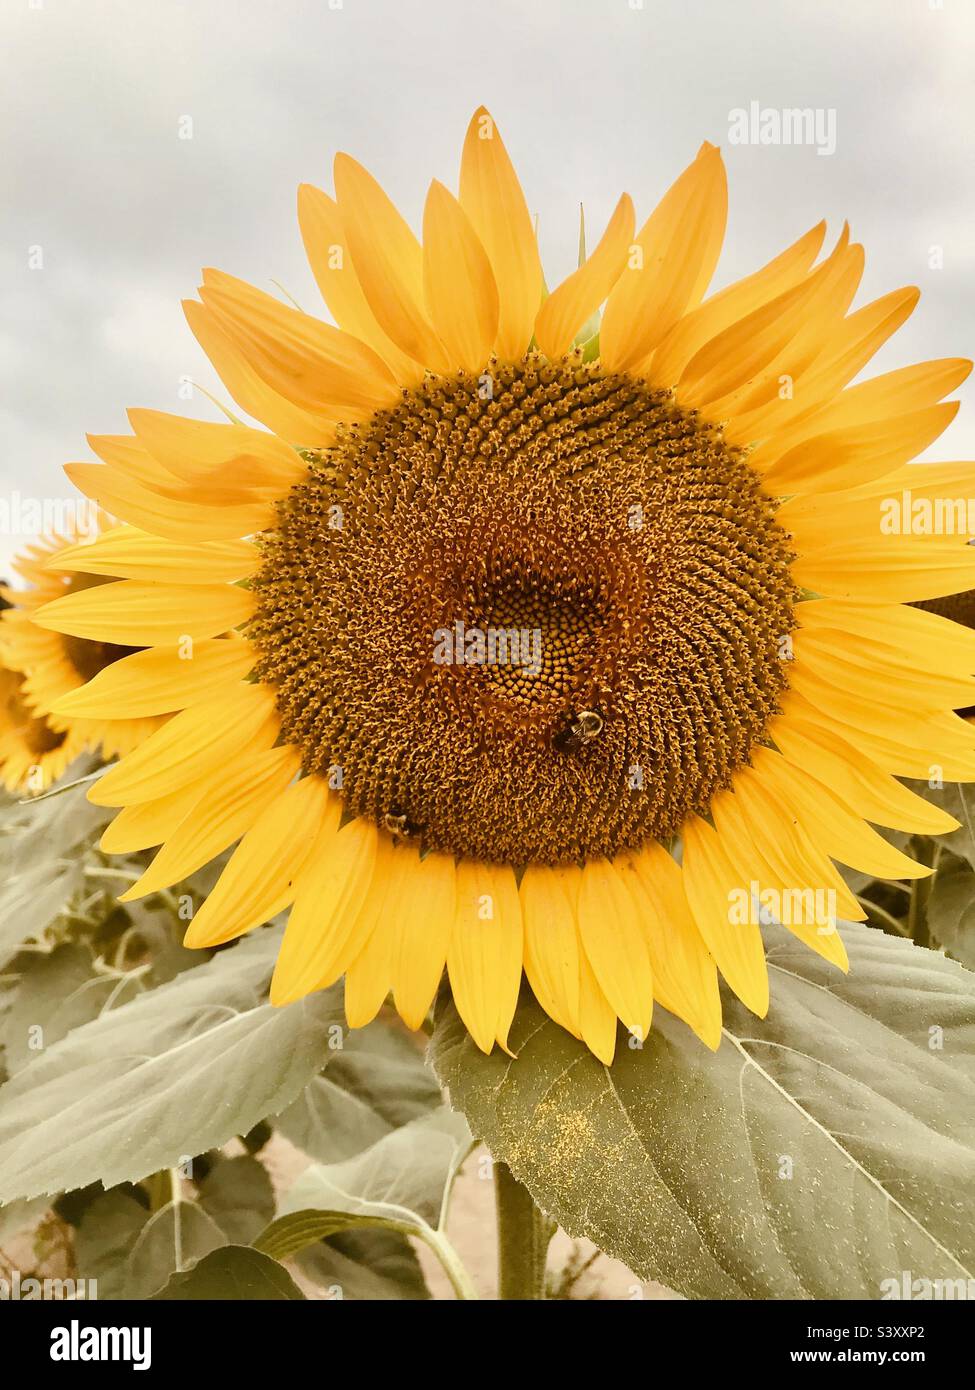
[43,666]
[528,595]
[33,753]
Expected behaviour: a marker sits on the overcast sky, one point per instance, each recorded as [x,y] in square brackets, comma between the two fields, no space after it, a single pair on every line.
[592,97]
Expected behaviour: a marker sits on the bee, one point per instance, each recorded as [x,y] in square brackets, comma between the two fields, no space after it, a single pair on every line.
[581,729]
[398,825]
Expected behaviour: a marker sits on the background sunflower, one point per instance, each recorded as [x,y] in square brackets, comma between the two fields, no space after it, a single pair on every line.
[41,667]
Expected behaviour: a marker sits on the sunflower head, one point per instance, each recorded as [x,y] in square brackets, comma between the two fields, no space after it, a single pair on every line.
[33,753]
[49,665]
[527,587]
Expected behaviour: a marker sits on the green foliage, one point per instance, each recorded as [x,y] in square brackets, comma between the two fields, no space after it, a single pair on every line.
[938,911]
[370,1264]
[235,1272]
[135,1066]
[238,1195]
[179,1070]
[819,1152]
[57,993]
[959,801]
[188,1141]
[46,845]
[375,1084]
[400,1185]
[951,908]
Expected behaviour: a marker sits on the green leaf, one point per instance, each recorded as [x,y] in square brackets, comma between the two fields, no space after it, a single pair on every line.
[234,1273]
[375,1083]
[132,1252]
[401,1184]
[297,1230]
[238,1195]
[182,1069]
[818,1153]
[159,933]
[951,909]
[958,799]
[369,1265]
[173,1239]
[103,1242]
[406,1176]
[57,992]
[41,865]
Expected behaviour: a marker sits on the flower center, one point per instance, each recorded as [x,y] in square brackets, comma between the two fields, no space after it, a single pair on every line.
[535,615]
[542,632]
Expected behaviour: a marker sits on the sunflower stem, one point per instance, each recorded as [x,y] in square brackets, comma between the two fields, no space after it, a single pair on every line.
[917,915]
[523,1238]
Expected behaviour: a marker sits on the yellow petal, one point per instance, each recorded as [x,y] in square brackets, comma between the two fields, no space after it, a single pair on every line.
[888,569]
[189,744]
[331,262]
[388,262]
[671,264]
[685,980]
[315,365]
[784,850]
[133,614]
[933,481]
[319,939]
[125,552]
[151,822]
[459,288]
[743,350]
[259,880]
[424,921]
[616,946]
[795,890]
[126,455]
[597,1018]
[200,451]
[894,393]
[179,520]
[548,909]
[899,741]
[813,334]
[849,348]
[224,813]
[569,305]
[249,390]
[730,305]
[894,628]
[831,824]
[369,977]
[837,764]
[871,672]
[713,888]
[857,454]
[491,196]
[160,680]
[484,957]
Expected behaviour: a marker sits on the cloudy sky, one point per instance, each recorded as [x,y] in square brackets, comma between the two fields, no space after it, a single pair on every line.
[108,214]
